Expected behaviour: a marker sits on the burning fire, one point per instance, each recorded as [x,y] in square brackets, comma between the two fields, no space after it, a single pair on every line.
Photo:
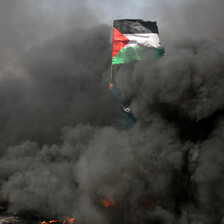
[109,202]
[66,220]
[69,220]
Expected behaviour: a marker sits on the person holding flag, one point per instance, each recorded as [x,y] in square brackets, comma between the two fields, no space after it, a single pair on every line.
[129,119]
[131,37]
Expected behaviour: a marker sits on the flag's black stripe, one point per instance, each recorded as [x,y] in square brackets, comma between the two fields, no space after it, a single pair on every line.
[129,26]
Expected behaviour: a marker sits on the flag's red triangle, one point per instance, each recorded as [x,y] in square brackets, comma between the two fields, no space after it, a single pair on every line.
[119,41]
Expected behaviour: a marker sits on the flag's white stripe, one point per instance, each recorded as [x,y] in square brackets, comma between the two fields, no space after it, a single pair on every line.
[143,39]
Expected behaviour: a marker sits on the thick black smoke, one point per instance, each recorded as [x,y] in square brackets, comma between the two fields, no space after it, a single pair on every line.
[59,82]
[67,149]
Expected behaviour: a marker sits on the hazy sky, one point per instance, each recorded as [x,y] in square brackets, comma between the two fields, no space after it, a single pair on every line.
[64,12]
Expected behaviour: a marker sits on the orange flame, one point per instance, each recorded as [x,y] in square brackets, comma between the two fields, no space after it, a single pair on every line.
[67,220]
[52,221]
[109,202]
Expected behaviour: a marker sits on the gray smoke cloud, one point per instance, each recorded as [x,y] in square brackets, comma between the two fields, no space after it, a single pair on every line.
[62,147]
[53,80]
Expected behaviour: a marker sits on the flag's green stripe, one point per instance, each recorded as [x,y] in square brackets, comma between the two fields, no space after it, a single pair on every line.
[127,55]
[134,53]
[159,52]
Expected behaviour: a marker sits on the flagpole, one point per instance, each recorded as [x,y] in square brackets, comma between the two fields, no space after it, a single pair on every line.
[111,67]
[111,73]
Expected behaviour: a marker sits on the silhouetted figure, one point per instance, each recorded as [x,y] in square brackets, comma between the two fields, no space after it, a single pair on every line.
[129,119]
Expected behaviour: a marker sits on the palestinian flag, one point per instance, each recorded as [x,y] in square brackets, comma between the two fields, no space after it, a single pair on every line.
[131,37]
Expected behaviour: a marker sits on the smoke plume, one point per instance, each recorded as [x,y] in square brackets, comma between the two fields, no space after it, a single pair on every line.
[62,146]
